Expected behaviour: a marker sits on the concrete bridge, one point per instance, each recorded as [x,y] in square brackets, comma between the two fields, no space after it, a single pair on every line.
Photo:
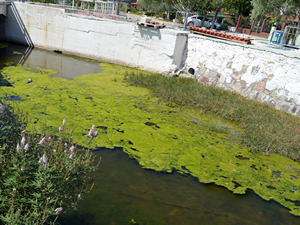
[3,7]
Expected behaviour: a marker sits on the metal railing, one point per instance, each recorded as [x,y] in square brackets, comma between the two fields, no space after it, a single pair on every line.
[291,37]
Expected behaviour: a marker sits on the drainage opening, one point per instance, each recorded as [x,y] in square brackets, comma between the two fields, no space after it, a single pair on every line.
[191,71]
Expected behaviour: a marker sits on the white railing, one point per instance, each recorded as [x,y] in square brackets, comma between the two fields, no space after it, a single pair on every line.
[291,37]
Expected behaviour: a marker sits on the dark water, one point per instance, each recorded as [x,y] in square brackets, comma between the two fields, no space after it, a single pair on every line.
[124,191]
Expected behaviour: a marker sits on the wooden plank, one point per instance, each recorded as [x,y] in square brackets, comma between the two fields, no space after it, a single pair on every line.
[214,36]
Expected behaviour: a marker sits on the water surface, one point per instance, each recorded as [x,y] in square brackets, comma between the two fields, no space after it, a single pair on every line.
[123,190]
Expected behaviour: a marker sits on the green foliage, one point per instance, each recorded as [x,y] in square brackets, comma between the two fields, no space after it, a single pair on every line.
[240,7]
[224,26]
[149,13]
[282,10]
[132,10]
[40,175]
[155,6]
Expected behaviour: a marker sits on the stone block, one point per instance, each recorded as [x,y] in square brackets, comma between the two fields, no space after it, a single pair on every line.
[201,71]
[244,69]
[229,65]
[222,79]
[205,80]
[236,75]
[285,107]
[237,88]
[260,86]
[213,74]
[243,82]
[272,103]
[270,77]
[255,70]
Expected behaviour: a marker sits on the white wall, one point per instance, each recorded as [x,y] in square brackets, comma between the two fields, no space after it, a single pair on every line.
[117,42]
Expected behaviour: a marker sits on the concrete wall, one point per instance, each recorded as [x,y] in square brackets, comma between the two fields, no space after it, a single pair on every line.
[117,42]
[259,74]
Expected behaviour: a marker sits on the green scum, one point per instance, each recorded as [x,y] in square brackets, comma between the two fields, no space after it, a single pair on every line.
[158,135]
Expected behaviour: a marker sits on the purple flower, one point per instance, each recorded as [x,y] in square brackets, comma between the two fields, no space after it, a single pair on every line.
[23,131]
[43,159]
[14,190]
[18,148]
[60,129]
[57,210]
[49,138]
[64,122]
[23,141]
[91,131]
[54,150]
[79,196]
[26,147]
[72,155]
[72,149]
[34,128]
[42,141]
[23,169]
[1,107]
[95,133]
[66,145]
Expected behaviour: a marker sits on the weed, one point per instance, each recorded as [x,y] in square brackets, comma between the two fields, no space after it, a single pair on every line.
[266,129]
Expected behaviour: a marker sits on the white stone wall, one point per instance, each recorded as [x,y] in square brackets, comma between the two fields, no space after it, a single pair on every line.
[117,42]
[263,75]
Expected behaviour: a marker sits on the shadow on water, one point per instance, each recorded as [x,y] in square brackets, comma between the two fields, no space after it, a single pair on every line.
[124,191]
[66,66]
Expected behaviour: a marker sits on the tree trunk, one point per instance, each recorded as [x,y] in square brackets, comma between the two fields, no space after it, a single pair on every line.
[118,7]
[169,11]
[186,18]
[204,17]
[215,18]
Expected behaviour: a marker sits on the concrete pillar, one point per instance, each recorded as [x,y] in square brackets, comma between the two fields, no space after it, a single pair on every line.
[89,4]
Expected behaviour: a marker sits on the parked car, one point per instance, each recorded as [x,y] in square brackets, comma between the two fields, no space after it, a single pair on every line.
[195,21]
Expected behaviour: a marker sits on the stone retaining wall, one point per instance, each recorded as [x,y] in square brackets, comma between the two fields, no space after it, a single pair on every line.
[262,75]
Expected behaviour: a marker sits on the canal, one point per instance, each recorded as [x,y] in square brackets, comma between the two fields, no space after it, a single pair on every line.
[149,173]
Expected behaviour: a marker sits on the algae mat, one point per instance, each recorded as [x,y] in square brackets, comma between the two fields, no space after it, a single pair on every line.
[160,136]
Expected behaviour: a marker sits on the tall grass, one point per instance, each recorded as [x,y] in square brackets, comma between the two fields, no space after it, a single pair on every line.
[266,129]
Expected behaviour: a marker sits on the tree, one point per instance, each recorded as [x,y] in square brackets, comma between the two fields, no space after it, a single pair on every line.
[282,10]
[185,6]
[203,7]
[240,7]
[218,5]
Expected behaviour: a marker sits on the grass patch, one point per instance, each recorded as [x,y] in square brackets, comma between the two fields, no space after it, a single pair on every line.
[266,129]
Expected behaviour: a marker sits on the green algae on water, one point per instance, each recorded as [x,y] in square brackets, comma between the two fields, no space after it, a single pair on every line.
[159,136]
[17,53]
[2,45]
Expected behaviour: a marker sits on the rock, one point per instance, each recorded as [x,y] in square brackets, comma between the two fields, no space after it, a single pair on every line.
[29,81]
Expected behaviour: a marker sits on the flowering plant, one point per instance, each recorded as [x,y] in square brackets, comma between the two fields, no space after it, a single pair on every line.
[41,175]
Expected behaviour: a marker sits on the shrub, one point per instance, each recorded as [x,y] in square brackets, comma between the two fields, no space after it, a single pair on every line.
[40,175]
[224,26]
[147,13]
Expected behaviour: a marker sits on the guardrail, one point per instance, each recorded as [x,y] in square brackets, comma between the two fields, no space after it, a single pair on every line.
[291,37]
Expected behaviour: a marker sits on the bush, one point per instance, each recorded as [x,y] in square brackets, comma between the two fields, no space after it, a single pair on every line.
[132,10]
[147,13]
[224,26]
[40,175]
[161,15]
